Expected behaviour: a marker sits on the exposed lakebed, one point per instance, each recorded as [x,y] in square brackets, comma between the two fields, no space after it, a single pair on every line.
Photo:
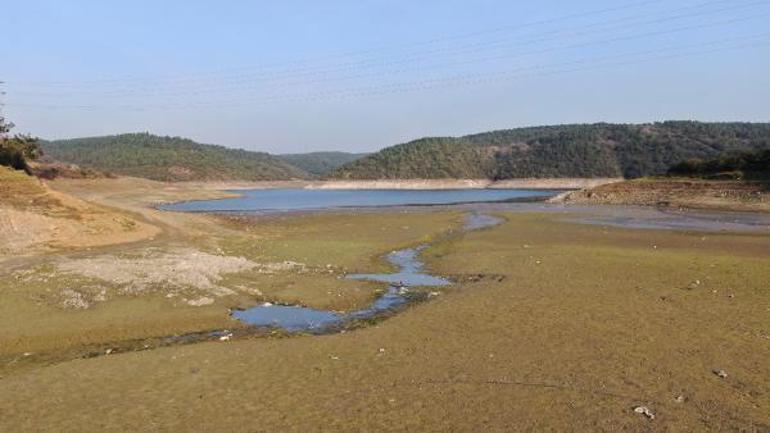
[400,291]
[409,283]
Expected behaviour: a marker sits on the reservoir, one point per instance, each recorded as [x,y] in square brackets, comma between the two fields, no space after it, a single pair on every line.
[277,200]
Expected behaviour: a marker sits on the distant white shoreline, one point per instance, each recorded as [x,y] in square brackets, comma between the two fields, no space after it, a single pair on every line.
[566,183]
[414,184]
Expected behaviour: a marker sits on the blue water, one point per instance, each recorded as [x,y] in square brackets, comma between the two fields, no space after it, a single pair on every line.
[289,317]
[262,200]
[409,274]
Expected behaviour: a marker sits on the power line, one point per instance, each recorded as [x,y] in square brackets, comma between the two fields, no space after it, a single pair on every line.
[377,62]
[245,86]
[463,80]
[371,51]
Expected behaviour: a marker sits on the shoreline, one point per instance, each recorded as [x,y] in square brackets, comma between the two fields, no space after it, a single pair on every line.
[405,184]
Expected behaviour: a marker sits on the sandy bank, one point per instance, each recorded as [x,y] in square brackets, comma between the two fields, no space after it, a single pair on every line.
[124,183]
[553,183]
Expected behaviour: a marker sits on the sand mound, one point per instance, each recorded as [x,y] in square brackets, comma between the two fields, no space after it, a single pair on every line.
[171,270]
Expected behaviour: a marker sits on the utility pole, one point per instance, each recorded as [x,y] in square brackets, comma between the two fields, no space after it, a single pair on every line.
[4,127]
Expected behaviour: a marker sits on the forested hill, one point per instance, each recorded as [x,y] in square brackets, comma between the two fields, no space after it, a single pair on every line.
[597,150]
[169,158]
[320,163]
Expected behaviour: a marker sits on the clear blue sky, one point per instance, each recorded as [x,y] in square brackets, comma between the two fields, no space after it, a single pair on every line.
[295,76]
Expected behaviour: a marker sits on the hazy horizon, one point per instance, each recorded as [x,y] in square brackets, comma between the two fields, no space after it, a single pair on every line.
[360,76]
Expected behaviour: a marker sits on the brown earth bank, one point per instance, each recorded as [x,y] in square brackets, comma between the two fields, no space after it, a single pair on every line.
[682,193]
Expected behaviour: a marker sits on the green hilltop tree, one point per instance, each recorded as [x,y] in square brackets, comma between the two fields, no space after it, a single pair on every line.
[16,150]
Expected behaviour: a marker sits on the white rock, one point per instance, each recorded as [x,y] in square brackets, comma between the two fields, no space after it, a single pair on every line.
[721,373]
[644,410]
[200,302]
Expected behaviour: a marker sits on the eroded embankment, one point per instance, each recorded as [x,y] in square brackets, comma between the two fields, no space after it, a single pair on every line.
[529,183]
[676,193]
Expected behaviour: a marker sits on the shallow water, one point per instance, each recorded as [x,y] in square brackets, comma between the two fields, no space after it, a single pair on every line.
[289,317]
[278,200]
[409,274]
[637,217]
[476,221]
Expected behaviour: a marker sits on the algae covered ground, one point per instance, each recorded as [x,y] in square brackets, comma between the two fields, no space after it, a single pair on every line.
[550,326]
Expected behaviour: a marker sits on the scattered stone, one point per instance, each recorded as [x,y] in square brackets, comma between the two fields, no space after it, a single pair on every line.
[694,285]
[720,373]
[200,302]
[74,299]
[680,399]
[226,337]
[101,296]
[433,294]
[644,410]
[382,350]
[267,304]
[334,358]
[27,354]
[108,351]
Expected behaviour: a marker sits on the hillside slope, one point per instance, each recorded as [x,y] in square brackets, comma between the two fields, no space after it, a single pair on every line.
[35,218]
[169,158]
[598,150]
[320,163]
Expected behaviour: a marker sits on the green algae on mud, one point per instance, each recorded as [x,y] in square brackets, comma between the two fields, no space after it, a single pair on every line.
[580,324]
[38,318]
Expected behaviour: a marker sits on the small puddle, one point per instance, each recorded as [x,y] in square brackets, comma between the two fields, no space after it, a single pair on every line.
[293,318]
[476,221]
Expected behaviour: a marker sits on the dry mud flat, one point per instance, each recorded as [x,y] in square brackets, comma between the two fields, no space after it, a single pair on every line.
[586,324]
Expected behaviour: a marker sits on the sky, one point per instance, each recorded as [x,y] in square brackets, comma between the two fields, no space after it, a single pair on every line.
[359,75]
